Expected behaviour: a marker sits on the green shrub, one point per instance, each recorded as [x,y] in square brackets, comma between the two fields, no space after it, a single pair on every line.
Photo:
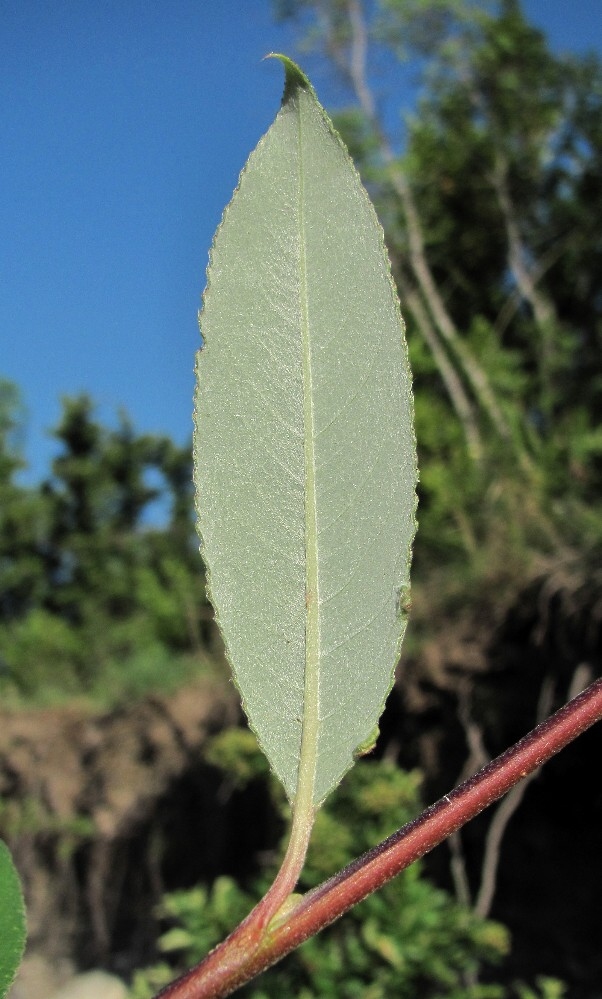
[409,939]
[41,652]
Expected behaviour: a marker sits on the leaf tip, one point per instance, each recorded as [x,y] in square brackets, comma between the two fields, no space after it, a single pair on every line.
[294,76]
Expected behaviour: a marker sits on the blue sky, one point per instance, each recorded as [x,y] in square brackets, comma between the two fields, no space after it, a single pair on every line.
[124,128]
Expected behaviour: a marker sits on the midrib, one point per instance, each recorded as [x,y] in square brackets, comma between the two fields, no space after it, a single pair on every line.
[309,736]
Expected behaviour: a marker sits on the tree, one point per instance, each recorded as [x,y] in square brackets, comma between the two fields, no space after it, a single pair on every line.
[486,204]
[86,582]
[23,517]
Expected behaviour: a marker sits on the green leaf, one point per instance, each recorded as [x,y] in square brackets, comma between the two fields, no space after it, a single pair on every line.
[12,921]
[305,464]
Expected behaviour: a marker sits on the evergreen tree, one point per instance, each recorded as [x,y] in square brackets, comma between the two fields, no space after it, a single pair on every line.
[87,581]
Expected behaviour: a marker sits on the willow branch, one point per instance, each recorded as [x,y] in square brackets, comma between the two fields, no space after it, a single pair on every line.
[227,967]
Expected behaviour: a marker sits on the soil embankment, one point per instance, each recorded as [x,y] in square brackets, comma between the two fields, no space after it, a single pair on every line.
[87,808]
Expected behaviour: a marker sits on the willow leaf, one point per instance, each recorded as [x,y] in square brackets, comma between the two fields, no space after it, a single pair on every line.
[12,921]
[305,465]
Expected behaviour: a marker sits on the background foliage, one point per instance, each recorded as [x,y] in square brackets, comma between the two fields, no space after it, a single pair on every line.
[490,195]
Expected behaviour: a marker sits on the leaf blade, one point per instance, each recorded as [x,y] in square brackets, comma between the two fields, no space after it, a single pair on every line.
[12,921]
[303,395]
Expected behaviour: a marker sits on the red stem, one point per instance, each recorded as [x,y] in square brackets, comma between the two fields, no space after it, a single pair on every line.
[213,978]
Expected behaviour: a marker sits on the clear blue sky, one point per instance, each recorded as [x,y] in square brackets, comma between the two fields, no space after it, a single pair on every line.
[125,124]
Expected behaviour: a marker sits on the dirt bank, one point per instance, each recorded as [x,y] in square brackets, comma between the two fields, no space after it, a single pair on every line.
[84,797]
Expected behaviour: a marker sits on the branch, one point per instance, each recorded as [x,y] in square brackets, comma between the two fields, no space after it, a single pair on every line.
[526,279]
[229,966]
[454,387]
[539,269]
[477,758]
[503,814]
[355,71]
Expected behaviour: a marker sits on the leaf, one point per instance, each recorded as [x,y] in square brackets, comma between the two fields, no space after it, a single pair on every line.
[12,921]
[305,464]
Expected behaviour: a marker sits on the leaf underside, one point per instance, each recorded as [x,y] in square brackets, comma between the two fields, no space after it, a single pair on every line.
[12,921]
[305,466]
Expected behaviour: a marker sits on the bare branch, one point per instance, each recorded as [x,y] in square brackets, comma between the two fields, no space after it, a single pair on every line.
[359,57]
[477,758]
[513,303]
[355,70]
[525,278]
[580,679]
[453,385]
[458,870]
[503,814]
